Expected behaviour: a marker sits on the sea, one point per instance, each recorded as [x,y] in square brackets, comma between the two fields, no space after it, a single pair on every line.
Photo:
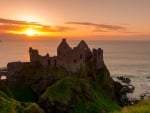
[122,58]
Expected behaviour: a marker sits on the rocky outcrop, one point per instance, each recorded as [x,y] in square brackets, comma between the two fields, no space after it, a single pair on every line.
[124,79]
[62,91]
[122,87]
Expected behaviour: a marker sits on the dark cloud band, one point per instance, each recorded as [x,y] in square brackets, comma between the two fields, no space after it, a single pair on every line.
[14,25]
[101,27]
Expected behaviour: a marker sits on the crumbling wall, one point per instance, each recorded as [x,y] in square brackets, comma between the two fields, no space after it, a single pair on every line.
[68,58]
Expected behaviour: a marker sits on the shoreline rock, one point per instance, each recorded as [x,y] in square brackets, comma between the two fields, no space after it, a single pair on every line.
[122,88]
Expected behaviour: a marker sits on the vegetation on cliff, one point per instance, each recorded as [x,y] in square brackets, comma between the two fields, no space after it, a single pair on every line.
[141,107]
[55,90]
[18,91]
[9,105]
[89,90]
[72,95]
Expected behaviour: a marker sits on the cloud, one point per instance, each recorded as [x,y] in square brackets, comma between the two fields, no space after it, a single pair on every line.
[10,27]
[17,22]
[100,27]
[56,28]
[131,32]
[17,25]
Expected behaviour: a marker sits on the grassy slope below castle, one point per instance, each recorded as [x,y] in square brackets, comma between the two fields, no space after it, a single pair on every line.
[142,107]
[18,91]
[81,94]
[9,105]
[77,93]
[74,95]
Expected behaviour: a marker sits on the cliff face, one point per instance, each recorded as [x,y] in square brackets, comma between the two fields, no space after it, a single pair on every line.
[61,91]
[39,78]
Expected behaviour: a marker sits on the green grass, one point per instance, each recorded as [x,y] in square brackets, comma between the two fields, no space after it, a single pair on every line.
[142,107]
[88,97]
[32,108]
[61,91]
[23,93]
[9,105]
[18,91]
[100,103]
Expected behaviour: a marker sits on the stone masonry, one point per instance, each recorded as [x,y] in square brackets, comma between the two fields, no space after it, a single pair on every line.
[72,59]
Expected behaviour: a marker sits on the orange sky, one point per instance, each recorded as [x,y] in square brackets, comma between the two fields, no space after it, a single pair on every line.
[90,19]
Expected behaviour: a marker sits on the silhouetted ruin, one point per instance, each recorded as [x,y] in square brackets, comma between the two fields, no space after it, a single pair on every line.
[72,59]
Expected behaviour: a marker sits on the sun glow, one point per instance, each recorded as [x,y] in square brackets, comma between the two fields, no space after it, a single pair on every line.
[31,32]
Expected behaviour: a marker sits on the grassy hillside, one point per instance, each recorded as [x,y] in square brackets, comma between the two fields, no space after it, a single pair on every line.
[72,95]
[142,107]
[22,92]
[18,91]
[87,91]
[9,105]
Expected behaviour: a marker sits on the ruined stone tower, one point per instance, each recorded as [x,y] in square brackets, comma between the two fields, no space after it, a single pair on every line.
[72,59]
[63,48]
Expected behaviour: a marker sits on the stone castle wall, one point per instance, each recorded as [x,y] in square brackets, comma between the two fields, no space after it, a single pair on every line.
[72,59]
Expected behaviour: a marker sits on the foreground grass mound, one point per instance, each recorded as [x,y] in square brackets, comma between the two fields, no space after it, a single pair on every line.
[22,92]
[74,95]
[18,91]
[9,105]
[142,107]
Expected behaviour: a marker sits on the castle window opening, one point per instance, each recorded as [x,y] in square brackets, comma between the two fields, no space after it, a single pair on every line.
[75,61]
[55,62]
[80,56]
[49,62]
[99,53]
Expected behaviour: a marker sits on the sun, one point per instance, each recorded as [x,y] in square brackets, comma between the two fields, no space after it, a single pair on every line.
[30,32]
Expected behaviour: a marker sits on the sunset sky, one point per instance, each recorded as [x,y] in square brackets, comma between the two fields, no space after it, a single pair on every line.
[87,19]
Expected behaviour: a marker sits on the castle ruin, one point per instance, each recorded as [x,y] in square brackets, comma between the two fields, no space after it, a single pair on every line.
[72,59]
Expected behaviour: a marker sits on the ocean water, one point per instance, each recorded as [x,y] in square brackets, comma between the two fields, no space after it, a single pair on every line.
[128,58]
